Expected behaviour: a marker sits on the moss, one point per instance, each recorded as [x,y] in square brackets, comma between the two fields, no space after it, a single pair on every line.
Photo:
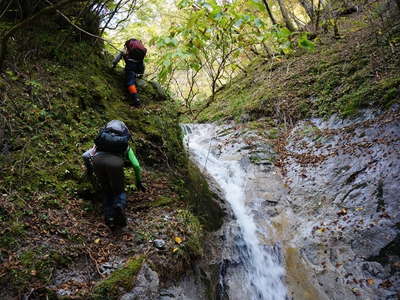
[35,265]
[48,121]
[343,76]
[161,201]
[202,200]
[193,246]
[119,281]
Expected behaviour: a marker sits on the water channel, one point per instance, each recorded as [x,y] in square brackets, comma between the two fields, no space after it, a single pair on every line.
[252,265]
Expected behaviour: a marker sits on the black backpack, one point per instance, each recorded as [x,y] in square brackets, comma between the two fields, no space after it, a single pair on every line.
[114,138]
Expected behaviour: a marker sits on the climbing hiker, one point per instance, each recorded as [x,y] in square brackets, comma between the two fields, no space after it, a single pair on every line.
[105,160]
[133,55]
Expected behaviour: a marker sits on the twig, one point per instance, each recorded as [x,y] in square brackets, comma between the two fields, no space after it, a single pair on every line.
[95,262]
[5,10]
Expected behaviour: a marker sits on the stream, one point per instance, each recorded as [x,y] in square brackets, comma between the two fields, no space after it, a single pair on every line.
[251,267]
[323,226]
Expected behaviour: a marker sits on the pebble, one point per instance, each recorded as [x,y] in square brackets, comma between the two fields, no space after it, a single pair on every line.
[159,244]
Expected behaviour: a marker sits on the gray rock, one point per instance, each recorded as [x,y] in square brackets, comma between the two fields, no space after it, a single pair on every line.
[146,285]
[159,244]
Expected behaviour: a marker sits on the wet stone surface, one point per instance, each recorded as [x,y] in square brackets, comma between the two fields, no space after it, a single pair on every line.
[332,207]
[343,178]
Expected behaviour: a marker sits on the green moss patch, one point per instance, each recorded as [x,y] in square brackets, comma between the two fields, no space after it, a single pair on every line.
[119,281]
[202,201]
[162,201]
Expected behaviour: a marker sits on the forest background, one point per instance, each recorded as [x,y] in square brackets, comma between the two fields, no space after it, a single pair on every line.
[195,47]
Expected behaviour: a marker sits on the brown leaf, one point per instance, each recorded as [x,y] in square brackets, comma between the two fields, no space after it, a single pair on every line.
[370,281]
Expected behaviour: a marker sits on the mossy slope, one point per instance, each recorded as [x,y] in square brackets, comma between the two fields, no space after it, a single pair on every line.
[57,90]
[359,70]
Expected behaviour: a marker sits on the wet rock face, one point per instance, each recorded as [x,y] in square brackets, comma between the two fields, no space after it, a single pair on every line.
[343,179]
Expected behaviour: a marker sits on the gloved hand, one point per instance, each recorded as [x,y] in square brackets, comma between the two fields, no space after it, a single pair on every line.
[140,187]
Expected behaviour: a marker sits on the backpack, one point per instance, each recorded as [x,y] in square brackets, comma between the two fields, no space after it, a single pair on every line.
[135,49]
[113,138]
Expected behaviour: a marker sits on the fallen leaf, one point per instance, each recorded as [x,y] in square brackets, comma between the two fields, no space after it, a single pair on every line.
[33,272]
[370,281]
[96,241]
[178,240]
[386,284]
[356,292]
[174,250]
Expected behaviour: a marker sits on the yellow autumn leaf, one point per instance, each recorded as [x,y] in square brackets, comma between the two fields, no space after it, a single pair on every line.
[178,240]
[96,241]
[174,250]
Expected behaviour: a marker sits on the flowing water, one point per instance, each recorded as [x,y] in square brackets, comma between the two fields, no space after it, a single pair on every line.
[256,272]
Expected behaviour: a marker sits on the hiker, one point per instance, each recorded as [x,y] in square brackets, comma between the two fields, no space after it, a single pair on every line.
[133,54]
[106,160]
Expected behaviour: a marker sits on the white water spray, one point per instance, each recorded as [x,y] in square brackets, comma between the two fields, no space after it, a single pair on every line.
[263,278]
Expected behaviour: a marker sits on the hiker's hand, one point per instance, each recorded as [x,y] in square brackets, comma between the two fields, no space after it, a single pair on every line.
[141,187]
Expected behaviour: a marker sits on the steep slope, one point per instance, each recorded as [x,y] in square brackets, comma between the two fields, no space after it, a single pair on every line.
[57,90]
[359,70]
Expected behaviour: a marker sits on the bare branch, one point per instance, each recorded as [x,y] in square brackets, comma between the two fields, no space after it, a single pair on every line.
[84,31]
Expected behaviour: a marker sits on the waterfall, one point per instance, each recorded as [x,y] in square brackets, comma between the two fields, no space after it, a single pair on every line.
[260,273]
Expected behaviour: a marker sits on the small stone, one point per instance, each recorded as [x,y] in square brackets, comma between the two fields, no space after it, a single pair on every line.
[159,244]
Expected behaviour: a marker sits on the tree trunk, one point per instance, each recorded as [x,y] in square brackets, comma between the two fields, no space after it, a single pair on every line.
[318,16]
[309,8]
[286,16]
[16,27]
[271,16]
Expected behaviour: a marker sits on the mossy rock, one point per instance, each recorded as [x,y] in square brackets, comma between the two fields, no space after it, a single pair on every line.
[119,281]
[203,202]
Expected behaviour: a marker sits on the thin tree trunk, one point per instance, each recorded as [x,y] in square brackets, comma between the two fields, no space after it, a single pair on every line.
[318,16]
[309,8]
[112,15]
[286,16]
[271,16]
[10,32]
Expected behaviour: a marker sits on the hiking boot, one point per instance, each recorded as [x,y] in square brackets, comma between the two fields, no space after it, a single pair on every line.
[120,218]
[136,103]
[110,222]
[134,100]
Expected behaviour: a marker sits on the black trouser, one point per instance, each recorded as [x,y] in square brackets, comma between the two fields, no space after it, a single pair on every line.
[109,170]
[132,70]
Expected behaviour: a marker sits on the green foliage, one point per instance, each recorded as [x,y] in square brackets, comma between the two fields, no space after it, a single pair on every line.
[212,39]
[343,76]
